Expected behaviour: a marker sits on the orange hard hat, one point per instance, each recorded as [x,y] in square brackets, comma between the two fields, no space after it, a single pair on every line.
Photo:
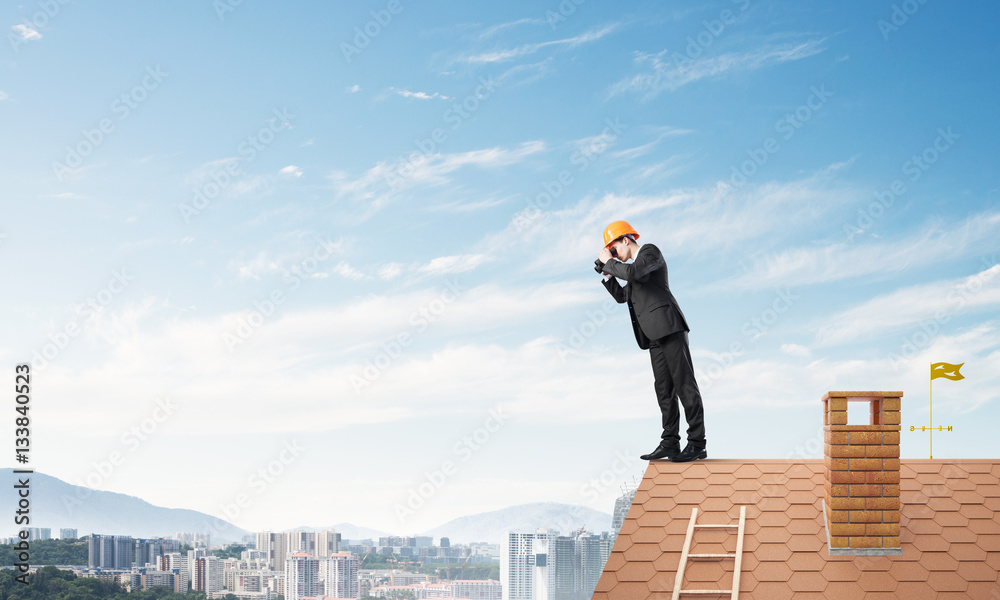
[617,229]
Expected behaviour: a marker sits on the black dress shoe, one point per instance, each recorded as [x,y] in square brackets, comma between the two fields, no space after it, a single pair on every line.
[668,452]
[689,453]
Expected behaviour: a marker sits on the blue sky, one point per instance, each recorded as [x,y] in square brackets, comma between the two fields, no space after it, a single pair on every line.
[366,233]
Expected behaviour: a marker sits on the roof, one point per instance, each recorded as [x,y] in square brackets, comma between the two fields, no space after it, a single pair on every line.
[950,537]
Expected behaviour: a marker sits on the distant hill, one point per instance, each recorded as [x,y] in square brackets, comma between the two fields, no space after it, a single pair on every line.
[56,504]
[492,527]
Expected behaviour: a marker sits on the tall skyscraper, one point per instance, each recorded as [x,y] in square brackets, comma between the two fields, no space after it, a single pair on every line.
[622,504]
[302,576]
[339,572]
[525,570]
[148,551]
[275,544]
[67,534]
[565,560]
[192,561]
[176,563]
[109,551]
[327,543]
[301,541]
[208,576]
[592,560]
[39,533]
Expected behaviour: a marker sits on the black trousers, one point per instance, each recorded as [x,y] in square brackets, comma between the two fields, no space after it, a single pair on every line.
[673,377]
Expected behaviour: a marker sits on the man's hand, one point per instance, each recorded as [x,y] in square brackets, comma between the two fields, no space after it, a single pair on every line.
[604,256]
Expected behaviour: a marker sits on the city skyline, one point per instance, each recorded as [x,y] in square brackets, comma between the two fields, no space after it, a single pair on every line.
[274,263]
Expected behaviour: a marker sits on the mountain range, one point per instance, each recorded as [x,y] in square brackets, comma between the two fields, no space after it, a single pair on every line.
[57,504]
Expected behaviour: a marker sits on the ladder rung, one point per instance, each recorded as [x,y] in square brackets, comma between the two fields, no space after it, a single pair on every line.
[720,526]
[711,556]
[713,592]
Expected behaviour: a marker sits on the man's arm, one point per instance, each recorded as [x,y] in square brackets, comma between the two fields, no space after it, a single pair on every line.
[648,260]
[617,291]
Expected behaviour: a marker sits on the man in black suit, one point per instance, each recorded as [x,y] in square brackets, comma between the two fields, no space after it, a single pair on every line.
[660,327]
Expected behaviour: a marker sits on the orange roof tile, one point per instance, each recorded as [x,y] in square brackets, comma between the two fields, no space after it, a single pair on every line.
[949,517]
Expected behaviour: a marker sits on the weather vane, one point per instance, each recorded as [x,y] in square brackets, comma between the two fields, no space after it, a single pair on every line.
[948,371]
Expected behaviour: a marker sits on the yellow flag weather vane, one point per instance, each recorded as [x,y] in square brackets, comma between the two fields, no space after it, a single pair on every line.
[948,371]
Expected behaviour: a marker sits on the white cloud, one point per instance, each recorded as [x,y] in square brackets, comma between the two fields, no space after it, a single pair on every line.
[291,171]
[688,221]
[842,260]
[669,72]
[495,29]
[354,89]
[929,305]
[390,271]
[346,271]
[3,96]
[572,42]
[453,264]
[26,33]
[382,183]
[418,95]
[795,350]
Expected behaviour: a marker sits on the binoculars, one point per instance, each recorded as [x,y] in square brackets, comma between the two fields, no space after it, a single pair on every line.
[598,265]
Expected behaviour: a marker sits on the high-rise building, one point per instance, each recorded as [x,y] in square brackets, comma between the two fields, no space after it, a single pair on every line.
[301,541]
[195,540]
[339,573]
[565,560]
[148,551]
[67,534]
[302,576]
[592,560]
[622,504]
[327,543]
[192,562]
[177,563]
[39,533]
[208,575]
[525,570]
[109,551]
[275,545]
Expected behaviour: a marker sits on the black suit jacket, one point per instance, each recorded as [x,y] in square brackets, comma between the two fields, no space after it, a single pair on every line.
[654,310]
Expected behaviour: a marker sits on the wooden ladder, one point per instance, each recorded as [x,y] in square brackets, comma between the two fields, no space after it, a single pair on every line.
[685,555]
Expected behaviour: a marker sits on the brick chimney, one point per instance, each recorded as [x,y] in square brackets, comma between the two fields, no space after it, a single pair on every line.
[861,503]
